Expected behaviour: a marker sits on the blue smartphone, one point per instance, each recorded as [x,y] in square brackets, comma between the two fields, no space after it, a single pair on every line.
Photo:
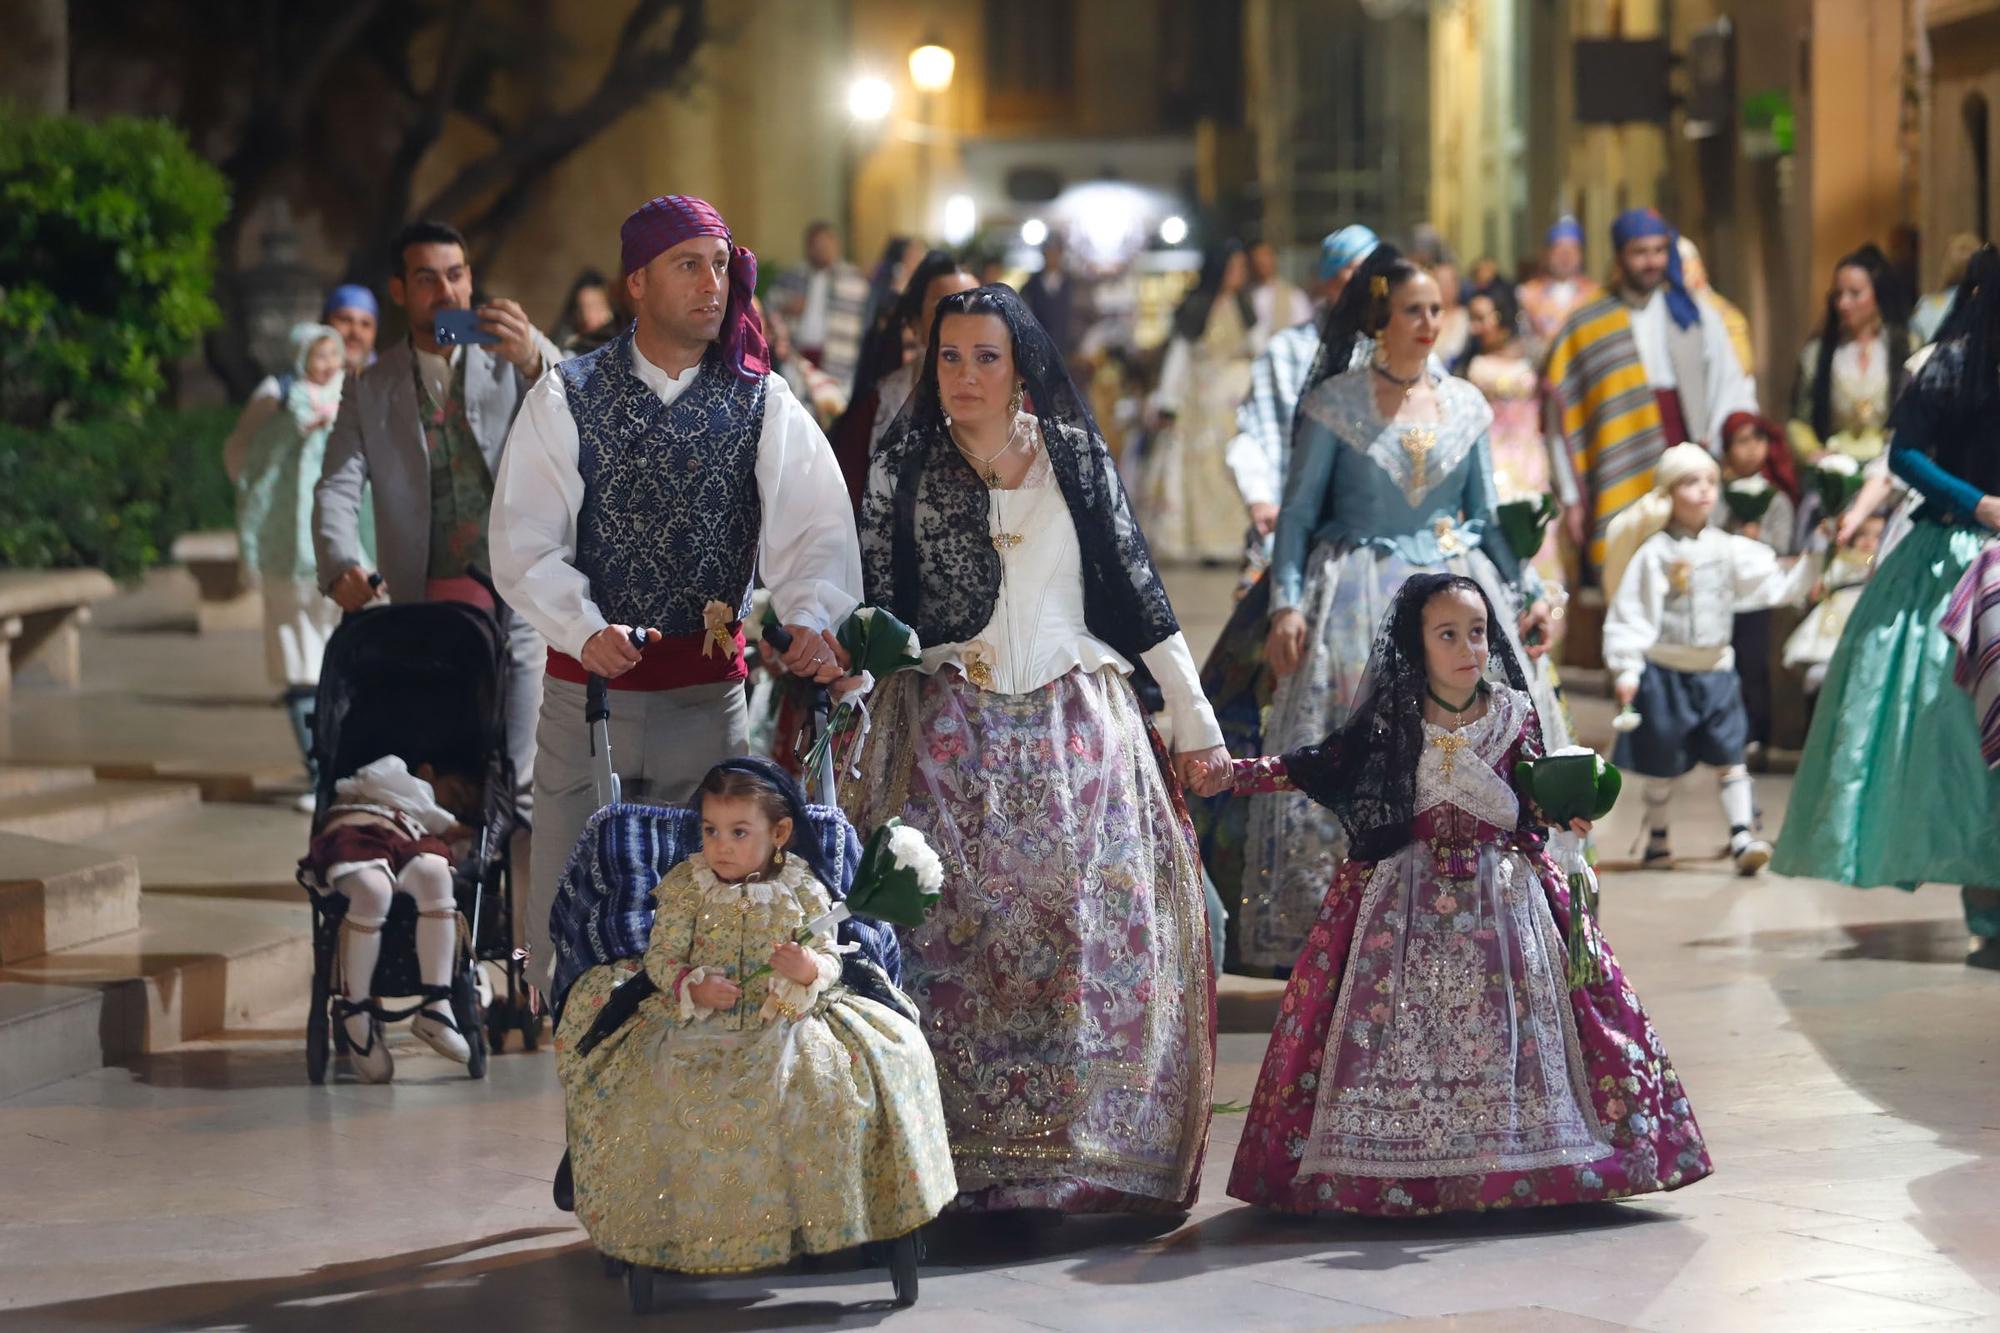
[453,327]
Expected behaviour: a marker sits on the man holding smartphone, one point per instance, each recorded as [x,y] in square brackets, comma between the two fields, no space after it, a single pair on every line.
[423,428]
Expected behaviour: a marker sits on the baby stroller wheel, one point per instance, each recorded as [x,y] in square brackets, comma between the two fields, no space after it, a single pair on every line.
[317,1036]
[903,1269]
[639,1288]
[465,1010]
[496,1030]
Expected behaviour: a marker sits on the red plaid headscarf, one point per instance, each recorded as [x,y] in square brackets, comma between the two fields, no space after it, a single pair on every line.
[657,226]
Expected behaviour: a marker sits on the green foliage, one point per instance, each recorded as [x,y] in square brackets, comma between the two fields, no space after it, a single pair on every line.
[112,493]
[105,262]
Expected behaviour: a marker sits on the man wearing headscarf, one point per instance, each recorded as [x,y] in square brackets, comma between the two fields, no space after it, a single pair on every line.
[1549,300]
[1636,370]
[352,310]
[1264,421]
[646,485]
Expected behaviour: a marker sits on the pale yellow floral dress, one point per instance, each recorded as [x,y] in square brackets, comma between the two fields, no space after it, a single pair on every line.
[708,1141]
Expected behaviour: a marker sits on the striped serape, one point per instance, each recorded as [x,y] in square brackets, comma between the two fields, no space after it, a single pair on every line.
[1610,418]
[1972,621]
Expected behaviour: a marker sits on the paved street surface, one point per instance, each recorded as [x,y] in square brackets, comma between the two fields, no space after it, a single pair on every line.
[1840,1056]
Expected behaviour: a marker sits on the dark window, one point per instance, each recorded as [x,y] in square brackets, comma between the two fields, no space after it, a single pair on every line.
[1030,60]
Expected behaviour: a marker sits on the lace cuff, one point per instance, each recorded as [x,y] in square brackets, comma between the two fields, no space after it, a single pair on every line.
[788,999]
[1257,777]
[684,991]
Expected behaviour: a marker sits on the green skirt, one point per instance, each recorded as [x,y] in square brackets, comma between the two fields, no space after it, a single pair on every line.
[1892,789]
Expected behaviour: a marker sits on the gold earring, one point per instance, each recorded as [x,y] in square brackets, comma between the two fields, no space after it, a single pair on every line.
[1015,402]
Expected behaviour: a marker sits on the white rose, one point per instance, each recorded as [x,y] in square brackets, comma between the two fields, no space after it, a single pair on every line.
[1838,464]
[1751,485]
[911,851]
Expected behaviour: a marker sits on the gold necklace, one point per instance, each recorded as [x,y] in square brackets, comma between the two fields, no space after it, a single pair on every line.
[987,472]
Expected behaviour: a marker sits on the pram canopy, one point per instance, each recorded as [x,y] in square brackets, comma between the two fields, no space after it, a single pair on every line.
[418,679]
[604,905]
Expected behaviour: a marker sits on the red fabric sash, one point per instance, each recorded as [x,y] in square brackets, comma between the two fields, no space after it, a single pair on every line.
[672,663]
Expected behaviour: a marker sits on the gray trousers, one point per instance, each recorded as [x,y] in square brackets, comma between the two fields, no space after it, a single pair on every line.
[662,744]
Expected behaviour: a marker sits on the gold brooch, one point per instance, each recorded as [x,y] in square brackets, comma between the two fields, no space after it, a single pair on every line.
[716,619]
[1448,539]
[1680,577]
[1006,541]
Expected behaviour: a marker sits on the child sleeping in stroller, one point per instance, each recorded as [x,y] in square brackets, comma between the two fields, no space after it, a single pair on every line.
[752,1108]
[390,830]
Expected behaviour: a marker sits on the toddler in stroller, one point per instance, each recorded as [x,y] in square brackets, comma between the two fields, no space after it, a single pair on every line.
[390,830]
[750,1109]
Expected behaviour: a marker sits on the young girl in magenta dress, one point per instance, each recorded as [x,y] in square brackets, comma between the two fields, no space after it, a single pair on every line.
[1429,1055]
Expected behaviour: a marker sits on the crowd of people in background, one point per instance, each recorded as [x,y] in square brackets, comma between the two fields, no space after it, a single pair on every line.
[1423,475]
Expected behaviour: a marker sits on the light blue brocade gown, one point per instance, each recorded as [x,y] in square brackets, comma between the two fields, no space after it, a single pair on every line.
[1367,504]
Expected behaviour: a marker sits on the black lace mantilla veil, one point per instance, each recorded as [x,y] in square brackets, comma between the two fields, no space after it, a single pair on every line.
[927,550]
[1366,772]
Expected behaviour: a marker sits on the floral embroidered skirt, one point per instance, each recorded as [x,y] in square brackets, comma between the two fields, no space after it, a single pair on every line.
[705,1149]
[1428,1057]
[1064,978]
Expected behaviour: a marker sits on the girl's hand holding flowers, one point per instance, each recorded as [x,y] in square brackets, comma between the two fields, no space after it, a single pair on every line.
[716,992]
[791,961]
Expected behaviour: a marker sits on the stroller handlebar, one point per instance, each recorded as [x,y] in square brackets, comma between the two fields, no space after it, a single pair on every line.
[596,696]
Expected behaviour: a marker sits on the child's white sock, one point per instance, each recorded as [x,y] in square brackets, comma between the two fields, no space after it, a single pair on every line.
[1739,799]
[427,879]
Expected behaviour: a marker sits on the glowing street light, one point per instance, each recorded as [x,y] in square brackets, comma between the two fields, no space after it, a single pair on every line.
[961,219]
[1173,230]
[931,67]
[1034,231]
[869,98]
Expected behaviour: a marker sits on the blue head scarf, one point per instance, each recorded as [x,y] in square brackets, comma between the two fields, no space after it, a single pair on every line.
[351,296]
[1638,223]
[1566,228]
[1350,245]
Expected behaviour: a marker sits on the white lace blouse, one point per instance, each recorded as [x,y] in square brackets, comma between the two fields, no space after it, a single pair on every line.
[1037,633]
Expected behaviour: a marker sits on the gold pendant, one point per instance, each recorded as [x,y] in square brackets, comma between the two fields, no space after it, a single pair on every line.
[1418,441]
[992,479]
[979,673]
[1450,745]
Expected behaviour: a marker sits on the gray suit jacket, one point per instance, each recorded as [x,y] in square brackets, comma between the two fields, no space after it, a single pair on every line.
[378,441]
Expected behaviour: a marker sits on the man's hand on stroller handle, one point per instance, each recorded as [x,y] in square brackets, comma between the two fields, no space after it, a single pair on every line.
[814,654]
[355,588]
[614,650]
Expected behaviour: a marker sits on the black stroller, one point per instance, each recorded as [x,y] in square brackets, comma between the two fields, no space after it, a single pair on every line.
[603,913]
[421,678]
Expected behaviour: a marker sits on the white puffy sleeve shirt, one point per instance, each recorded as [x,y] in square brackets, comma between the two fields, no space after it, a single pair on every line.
[808,554]
[1037,632]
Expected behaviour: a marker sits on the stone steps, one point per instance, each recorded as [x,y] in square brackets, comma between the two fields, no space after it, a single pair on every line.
[57,896]
[192,967]
[32,779]
[71,813]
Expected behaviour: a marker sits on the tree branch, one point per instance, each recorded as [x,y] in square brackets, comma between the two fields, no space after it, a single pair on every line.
[634,72]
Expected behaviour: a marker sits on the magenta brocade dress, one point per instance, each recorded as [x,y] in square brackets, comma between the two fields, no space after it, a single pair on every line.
[1428,1055]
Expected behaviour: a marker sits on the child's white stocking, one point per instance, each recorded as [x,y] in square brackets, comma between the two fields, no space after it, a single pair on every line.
[1739,798]
[427,878]
[367,891]
[1659,797]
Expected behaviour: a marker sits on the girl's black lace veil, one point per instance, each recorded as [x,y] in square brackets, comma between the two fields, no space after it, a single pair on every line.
[1366,772]
[927,550]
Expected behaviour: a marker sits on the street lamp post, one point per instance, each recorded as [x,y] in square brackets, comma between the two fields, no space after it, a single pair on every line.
[931,67]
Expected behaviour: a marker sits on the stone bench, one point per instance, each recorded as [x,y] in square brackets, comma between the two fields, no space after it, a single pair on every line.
[42,614]
[227,597]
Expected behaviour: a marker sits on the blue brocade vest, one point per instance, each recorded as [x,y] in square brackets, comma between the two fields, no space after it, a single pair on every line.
[671,512]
